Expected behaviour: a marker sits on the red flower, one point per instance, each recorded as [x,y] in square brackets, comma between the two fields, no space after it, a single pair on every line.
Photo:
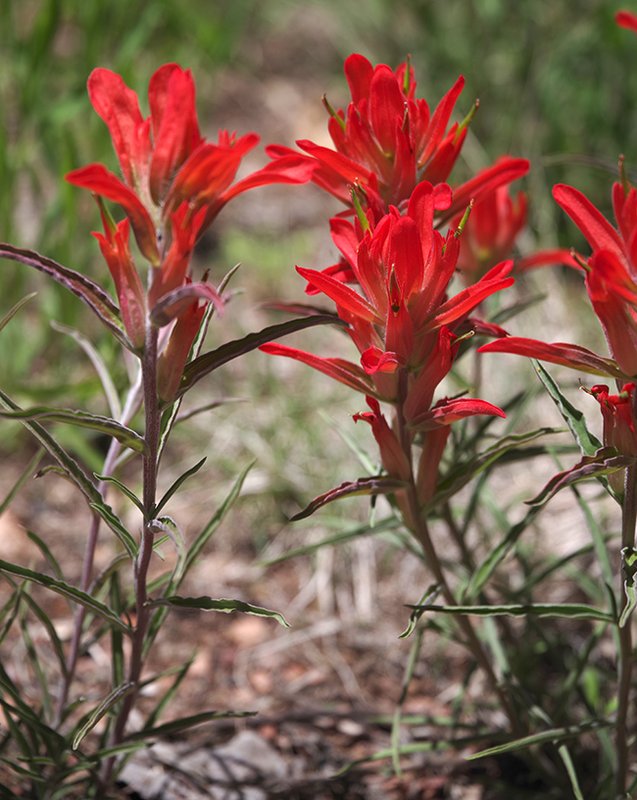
[610,275]
[388,141]
[619,421]
[401,319]
[163,158]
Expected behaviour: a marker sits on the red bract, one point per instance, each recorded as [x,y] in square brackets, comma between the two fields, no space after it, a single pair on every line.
[610,281]
[490,232]
[164,160]
[401,319]
[388,141]
[617,413]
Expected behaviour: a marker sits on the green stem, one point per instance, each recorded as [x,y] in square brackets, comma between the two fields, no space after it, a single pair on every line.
[625,663]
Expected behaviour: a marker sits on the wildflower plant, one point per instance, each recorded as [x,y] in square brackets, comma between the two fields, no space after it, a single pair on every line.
[420,257]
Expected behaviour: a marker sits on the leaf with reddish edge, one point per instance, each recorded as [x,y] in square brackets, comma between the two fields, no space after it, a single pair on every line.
[604,462]
[341,294]
[626,20]
[175,303]
[569,355]
[337,368]
[208,362]
[105,425]
[448,411]
[506,170]
[597,230]
[376,484]
[97,179]
[88,291]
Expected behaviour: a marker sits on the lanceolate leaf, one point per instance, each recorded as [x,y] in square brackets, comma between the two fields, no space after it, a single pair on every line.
[175,486]
[177,725]
[604,462]
[68,464]
[14,309]
[573,417]
[66,590]
[376,484]
[82,419]
[88,291]
[570,610]
[223,605]
[96,715]
[459,475]
[203,365]
[553,736]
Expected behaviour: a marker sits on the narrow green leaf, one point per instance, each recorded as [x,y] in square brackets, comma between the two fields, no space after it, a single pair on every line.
[24,476]
[389,523]
[178,725]
[123,489]
[87,290]
[99,365]
[573,417]
[48,625]
[170,692]
[176,485]
[570,610]
[223,605]
[375,484]
[96,715]
[117,526]
[553,736]
[207,363]
[48,555]
[570,771]
[82,419]
[14,309]
[605,462]
[68,464]
[486,569]
[460,474]
[217,518]
[66,590]
[428,597]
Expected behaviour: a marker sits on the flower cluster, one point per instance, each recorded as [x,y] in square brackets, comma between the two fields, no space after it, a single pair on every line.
[173,185]
[391,285]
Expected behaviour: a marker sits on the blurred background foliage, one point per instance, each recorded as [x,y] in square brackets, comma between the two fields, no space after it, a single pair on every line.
[556,85]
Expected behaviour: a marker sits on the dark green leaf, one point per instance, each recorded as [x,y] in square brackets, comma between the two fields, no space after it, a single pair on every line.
[570,610]
[98,712]
[178,725]
[123,489]
[116,525]
[14,310]
[223,605]
[82,419]
[205,364]
[180,480]
[66,590]
[553,736]
[604,462]
[375,484]
[81,286]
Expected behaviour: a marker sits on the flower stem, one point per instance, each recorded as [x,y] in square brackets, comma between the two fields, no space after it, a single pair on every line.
[625,662]
[142,563]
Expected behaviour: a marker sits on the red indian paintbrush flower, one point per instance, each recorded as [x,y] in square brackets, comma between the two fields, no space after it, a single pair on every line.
[163,158]
[405,327]
[388,141]
[610,276]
